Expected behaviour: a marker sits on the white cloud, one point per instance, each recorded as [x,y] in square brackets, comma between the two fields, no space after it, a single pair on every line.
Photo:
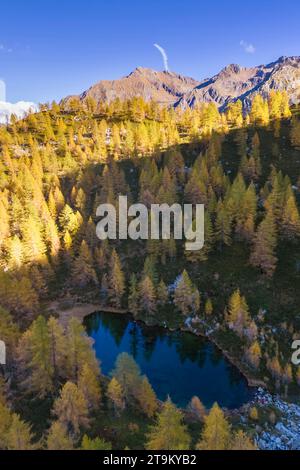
[164,56]
[3,48]
[248,47]
[20,109]
[2,90]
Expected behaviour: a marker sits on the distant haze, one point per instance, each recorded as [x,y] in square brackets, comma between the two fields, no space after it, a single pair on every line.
[2,91]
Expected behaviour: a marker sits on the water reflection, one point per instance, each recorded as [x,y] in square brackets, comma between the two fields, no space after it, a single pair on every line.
[176,363]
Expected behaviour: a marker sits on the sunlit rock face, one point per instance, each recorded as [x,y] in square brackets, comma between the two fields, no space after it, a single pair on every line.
[233,82]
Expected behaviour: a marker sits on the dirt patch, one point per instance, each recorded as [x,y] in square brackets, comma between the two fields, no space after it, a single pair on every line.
[79,310]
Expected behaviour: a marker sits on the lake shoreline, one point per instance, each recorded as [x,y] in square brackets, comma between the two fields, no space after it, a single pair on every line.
[82,310]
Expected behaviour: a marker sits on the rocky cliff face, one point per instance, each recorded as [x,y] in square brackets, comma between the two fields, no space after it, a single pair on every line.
[285,75]
[235,82]
[231,83]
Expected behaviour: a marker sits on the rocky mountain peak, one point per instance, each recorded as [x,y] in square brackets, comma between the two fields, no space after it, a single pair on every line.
[230,69]
[233,82]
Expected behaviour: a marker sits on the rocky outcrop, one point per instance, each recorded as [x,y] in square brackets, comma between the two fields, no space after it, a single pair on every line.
[285,434]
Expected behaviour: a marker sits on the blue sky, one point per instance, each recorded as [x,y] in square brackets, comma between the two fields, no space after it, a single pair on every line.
[49,49]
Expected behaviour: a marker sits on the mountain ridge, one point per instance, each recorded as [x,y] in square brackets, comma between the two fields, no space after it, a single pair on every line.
[162,86]
[231,83]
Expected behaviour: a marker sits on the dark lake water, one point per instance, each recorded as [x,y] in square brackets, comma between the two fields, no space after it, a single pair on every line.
[178,364]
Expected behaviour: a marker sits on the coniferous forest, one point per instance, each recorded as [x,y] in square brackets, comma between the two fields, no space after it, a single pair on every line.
[241,290]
